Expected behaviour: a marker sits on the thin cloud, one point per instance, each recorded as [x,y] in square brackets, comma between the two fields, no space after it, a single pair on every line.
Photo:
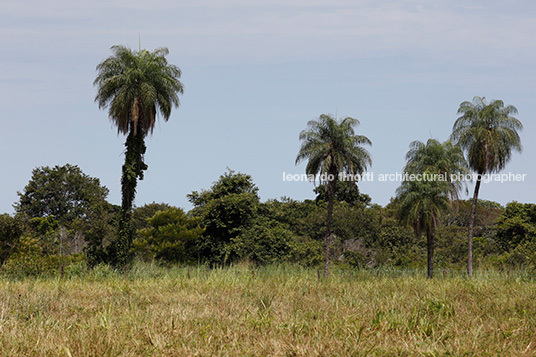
[242,31]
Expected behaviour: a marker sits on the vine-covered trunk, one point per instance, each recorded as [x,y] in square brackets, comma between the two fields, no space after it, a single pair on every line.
[133,169]
[471,226]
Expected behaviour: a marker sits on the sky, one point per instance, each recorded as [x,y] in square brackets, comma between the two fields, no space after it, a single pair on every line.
[255,72]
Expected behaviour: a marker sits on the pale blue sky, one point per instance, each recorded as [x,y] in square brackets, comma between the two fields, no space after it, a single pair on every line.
[254,73]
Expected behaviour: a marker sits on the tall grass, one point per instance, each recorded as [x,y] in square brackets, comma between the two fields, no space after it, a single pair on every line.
[277,310]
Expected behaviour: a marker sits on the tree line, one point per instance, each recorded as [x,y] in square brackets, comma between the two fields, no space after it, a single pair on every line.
[229,224]
[61,205]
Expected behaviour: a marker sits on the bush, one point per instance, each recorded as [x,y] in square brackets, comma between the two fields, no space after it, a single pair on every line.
[29,261]
[171,236]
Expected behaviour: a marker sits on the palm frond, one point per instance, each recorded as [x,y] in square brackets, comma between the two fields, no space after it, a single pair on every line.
[332,146]
[488,133]
[135,86]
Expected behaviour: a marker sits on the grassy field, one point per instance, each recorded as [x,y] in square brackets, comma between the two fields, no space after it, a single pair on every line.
[277,311]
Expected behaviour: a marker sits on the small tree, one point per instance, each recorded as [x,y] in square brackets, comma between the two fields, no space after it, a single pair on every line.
[226,210]
[64,192]
[76,200]
[171,236]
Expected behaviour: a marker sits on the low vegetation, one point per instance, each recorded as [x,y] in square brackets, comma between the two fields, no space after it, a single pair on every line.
[277,310]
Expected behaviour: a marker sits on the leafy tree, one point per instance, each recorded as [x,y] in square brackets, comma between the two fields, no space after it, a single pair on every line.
[11,228]
[292,221]
[516,225]
[488,134]
[515,234]
[99,233]
[171,236]
[331,147]
[134,86]
[64,192]
[487,213]
[230,183]
[450,246]
[355,231]
[292,213]
[142,214]
[76,201]
[266,241]
[34,247]
[46,231]
[396,245]
[226,210]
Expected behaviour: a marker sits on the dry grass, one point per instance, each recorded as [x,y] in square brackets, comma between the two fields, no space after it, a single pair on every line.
[281,311]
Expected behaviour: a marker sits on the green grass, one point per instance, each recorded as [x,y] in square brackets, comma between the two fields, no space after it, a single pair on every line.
[279,311]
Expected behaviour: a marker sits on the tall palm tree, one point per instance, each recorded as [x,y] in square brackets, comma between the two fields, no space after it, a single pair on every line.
[332,148]
[424,200]
[135,86]
[488,134]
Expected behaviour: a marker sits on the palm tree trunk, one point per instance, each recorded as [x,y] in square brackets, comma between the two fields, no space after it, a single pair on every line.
[132,170]
[430,242]
[471,226]
[331,198]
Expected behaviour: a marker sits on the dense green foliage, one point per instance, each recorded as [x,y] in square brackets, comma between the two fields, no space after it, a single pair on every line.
[226,210]
[63,212]
[344,191]
[229,224]
[516,233]
[171,236]
[64,192]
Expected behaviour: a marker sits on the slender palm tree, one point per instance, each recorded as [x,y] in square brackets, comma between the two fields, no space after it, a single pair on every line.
[332,148]
[424,200]
[135,86]
[422,203]
[488,134]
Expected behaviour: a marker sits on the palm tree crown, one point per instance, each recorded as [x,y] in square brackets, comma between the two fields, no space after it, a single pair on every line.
[435,157]
[135,86]
[332,147]
[422,203]
[488,132]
